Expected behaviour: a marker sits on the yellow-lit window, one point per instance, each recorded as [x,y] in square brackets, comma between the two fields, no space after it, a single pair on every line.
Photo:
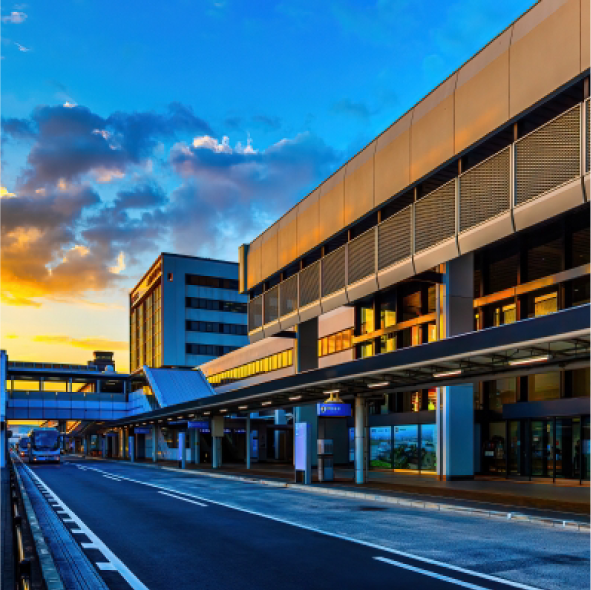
[432,332]
[331,344]
[338,342]
[432,403]
[388,318]
[324,346]
[367,320]
[347,334]
[416,401]
[290,357]
[545,304]
[320,347]
[415,335]
[366,350]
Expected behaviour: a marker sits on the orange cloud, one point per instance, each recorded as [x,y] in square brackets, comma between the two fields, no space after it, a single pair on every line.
[86,343]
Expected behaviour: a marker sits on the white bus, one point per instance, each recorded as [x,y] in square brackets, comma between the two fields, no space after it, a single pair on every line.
[44,445]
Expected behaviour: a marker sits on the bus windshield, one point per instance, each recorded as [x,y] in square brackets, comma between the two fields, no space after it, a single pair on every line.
[23,443]
[45,440]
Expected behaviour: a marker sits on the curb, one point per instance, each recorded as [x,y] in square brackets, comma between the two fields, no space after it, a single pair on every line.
[53,580]
[571,525]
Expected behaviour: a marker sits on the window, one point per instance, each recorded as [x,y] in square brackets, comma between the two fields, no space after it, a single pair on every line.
[406,447]
[274,362]
[367,323]
[380,447]
[212,282]
[215,305]
[388,343]
[543,387]
[365,350]
[501,392]
[217,328]
[209,349]
[545,304]
[335,342]
[507,314]
[580,382]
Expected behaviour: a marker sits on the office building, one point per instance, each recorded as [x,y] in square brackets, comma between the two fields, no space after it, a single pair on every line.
[184,311]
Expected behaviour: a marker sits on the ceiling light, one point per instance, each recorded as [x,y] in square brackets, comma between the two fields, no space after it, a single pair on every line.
[293,398]
[452,373]
[223,411]
[330,392]
[207,413]
[532,359]
[380,384]
[191,415]
[266,403]
[169,418]
[242,407]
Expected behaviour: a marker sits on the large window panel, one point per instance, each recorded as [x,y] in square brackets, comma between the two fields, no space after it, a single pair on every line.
[406,447]
[380,447]
[543,387]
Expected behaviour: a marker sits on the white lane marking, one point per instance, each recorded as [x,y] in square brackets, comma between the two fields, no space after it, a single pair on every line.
[431,574]
[185,499]
[129,577]
[77,531]
[335,535]
[105,566]
[88,546]
[68,520]
[110,477]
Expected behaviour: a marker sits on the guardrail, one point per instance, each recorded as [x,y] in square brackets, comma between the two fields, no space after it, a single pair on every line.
[22,553]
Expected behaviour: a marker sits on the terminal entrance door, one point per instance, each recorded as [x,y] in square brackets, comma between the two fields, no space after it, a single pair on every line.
[542,446]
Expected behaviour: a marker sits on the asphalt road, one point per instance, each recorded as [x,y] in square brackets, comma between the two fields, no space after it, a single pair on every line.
[181,531]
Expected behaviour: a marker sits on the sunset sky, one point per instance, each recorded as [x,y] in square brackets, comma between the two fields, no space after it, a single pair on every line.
[131,128]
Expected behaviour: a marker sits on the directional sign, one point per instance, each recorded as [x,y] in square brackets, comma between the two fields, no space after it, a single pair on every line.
[200,425]
[333,410]
[142,430]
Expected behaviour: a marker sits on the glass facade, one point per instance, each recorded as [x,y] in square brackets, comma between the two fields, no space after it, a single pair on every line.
[146,331]
[409,447]
[335,342]
[277,361]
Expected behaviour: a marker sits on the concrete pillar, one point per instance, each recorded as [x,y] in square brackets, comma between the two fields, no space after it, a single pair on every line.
[155,436]
[98,386]
[195,445]
[85,447]
[103,440]
[360,410]
[280,419]
[182,450]
[217,434]
[455,432]
[131,440]
[248,442]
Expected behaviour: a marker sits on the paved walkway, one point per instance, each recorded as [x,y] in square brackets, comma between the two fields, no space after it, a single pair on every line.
[565,497]
[7,578]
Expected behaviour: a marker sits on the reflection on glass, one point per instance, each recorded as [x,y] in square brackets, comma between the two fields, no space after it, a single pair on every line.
[507,314]
[580,382]
[366,350]
[545,304]
[367,320]
[406,441]
[494,448]
[429,448]
[380,447]
[514,447]
[502,391]
[544,386]
[388,343]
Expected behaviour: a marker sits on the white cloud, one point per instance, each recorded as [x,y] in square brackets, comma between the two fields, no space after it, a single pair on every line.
[15,18]
[120,266]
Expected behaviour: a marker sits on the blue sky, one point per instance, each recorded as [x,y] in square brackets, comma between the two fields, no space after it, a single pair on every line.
[137,162]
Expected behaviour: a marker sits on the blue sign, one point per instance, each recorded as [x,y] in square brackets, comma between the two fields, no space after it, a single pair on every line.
[200,425]
[177,422]
[111,434]
[301,445]
[333,410]
[142,430]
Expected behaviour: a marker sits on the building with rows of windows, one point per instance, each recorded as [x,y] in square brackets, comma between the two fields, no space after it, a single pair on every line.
[185,311]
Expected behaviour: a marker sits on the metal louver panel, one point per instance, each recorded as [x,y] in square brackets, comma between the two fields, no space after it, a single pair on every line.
[309,284]
[435,217]
[485,190]
[333,272]
[588,136]
[289,295]
[255,313]
[394,238]
[362,257]
[548,157]
[272,305]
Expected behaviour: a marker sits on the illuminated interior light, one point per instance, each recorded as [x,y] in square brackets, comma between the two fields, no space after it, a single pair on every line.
[191,415]
[380,384]
[332,391]
[293,398]
[532,359]
[242,407]
[266,403]
[207,413]
[448,373]
[223,411]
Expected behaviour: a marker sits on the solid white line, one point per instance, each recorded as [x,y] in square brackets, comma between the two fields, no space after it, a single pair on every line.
[105,565]
[68,520]
[77,531]
[185,499]
[88,546]
[110,477]
[129,577]
[431,574]
[335,535]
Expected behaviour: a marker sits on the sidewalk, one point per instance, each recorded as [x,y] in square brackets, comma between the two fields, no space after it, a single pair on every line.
[496,494]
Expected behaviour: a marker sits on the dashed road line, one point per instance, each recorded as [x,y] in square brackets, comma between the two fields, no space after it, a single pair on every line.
[185,499]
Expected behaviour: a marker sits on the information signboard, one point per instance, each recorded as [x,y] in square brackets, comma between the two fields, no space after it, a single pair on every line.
[204,424]
[333,410]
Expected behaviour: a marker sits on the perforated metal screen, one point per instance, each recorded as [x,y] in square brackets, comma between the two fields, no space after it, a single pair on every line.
[588,135]
[309,284]
[548,157]
[394,238]
[333,272]
[362,256]
[435,217]
[485,190]
[272,305]
[289,295]
[255,313]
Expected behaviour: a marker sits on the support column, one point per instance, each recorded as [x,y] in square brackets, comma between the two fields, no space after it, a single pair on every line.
[182,451]
[85,443]
[360,410]
[217,434]
[248,442]
[280,419]
[103,440]
[131,442]
[155,436]
[455,432]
